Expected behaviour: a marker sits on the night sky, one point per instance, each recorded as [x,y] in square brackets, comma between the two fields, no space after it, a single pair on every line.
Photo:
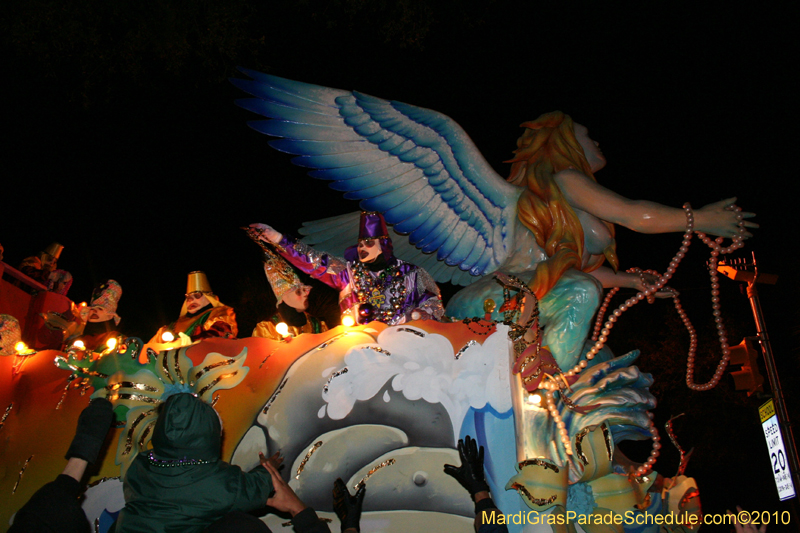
[124,144]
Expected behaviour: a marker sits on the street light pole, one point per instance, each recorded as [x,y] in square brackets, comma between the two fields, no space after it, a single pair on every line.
[751,278]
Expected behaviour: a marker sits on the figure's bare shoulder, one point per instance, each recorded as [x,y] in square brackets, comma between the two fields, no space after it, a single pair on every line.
[584,193]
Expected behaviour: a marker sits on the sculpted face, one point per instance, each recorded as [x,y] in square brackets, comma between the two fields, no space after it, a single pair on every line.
[49,262]
[368,250]
[98,314]
[297,298]
[594,156]
[196,301]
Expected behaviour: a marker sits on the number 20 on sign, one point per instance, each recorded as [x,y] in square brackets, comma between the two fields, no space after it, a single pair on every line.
[777,453]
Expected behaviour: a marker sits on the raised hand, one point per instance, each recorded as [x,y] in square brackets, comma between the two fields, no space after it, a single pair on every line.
[275,460]
[470,473]
[284,499]
[267,232]
[347,507]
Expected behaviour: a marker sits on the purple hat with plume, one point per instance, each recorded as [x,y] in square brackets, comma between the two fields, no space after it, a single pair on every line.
[372,226]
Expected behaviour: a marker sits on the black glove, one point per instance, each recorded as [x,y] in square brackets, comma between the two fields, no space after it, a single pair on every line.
[348,508]
[470,473]
[93,424]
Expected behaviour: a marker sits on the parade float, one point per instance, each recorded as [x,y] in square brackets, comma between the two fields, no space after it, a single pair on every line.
[516,366]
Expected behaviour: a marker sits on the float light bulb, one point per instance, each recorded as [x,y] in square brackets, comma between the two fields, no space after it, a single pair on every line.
[282,328]
[112,343]
[348,321]
[535,399]
[167,336]
[79,345]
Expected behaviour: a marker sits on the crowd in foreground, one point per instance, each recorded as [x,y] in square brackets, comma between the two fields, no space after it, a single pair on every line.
[182,485]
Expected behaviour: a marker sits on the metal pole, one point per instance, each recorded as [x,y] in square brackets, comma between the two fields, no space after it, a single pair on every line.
[775,384]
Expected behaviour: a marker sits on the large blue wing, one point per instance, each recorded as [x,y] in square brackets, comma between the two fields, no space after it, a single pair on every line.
[416,166]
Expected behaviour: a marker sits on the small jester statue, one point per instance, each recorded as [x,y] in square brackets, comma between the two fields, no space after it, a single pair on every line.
[373,284]
[100,319]
[292,302]
[43,267]
[202,315]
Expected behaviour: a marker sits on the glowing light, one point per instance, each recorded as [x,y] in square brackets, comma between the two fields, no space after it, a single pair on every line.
[21,347]
[167,336]
[83,304]
[111,343]
[79,345]
[282,328]
[535,399]
[348,321]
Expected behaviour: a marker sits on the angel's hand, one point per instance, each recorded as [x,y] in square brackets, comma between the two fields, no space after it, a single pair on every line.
[720,219]
[647,280]
[267,233]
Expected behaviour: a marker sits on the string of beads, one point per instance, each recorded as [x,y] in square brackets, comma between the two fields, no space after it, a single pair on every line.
[602,330]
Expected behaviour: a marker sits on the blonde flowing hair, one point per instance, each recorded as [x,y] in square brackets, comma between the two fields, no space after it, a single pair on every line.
[547,147]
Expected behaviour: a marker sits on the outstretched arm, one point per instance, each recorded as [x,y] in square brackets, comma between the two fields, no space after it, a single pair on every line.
[649,217]
[328,269]
[610,279]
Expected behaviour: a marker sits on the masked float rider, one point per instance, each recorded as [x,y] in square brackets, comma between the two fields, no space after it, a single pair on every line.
[292,302]
[372,283]
[202,315]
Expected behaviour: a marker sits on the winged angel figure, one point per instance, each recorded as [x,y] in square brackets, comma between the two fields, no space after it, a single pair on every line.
[550,223]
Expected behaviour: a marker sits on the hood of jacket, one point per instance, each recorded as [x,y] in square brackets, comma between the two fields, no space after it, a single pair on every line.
[187,428]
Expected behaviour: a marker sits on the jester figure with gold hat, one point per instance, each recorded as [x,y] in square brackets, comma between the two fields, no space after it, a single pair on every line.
[373,284]
[99,320]
[202,315]
[43,267]
[292,317]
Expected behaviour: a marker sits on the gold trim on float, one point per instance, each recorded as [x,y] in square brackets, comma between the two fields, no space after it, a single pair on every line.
[538,462]
[131,385]
[5,415]
[609,442]
[311,451]
[215,381]
[164,364]
[331,341]
[467,346]
[145,433]
[363,481]
[578,441]
[137,398]
[205,369]
[129,438]
[177,365]
[535,501]
[21,472]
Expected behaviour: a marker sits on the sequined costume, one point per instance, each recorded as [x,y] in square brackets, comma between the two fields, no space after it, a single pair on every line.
[391,295]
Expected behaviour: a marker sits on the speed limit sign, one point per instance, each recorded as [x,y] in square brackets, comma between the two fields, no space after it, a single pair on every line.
[777,453]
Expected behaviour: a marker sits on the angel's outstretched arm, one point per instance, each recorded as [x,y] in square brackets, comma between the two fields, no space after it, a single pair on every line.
[628,280]
[649,217]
